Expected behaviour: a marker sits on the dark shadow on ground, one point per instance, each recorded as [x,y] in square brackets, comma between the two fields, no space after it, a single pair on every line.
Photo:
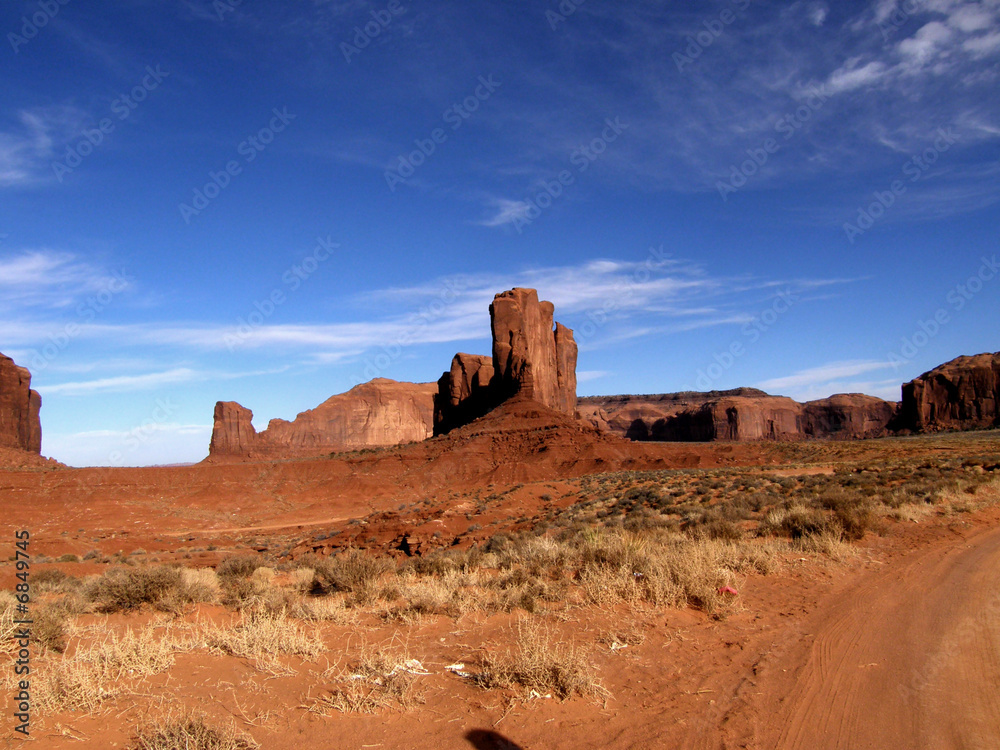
[483,739]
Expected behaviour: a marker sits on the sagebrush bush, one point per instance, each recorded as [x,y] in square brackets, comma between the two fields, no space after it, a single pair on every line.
[128,589]
[188,731]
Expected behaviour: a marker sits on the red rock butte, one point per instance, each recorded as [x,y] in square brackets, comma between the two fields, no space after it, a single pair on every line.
[963,394]
[738,414]
[20,425]
[376,414]
[533,358]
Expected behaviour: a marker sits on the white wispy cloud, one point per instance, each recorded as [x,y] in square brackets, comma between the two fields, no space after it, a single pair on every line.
[147,381]
[52,278]
[28,148]
[505,211]
[834,377]
[631,298]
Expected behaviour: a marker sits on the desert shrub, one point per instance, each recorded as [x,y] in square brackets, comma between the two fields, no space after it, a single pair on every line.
[54,580]
[188,731]
[797,521]
[68,558]
[50,626]
[354,572]
[259,593]
[128,589]
[854,513]
[539,664]
[377,679]
[239,566]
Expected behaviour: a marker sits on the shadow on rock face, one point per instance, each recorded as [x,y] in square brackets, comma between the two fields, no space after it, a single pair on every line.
[483,739]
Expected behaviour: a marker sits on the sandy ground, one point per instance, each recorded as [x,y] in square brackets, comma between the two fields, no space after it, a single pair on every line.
[897,646]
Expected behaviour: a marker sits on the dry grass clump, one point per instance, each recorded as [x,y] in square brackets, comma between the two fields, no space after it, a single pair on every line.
[665,569]
[200,585]
[8,606]
[188,731]
[54,581]
[323,609]
[353,572]
[69,685]
[262,636]
[540,665]
[378,679]
[162,587]
[94,672]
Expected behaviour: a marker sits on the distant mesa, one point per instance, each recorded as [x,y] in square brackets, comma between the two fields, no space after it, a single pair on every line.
[739,414]
[379,413]
[963,394]
[534,359]
[20,425]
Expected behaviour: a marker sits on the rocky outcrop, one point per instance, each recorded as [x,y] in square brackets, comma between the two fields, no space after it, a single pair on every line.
[740,414]
[963,394]
[233,433]
[533,358]
[20,425]
[376,414]
[847,415]
[464,392]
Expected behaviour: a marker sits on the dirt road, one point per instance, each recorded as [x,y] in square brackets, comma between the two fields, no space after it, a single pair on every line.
[907,656]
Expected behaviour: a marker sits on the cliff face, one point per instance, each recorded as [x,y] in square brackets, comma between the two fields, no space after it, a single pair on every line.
[530,358]
[740,414]
[379,413]
[963,394]
[533,358]
[851,415]
[20,407]
[464,392]
[375,414]
[233,433]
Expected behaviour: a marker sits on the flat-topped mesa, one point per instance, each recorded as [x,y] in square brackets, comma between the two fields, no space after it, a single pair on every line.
[740,414]
[533,358]
[848,415]
[20,425]
[376,414]
[963,394]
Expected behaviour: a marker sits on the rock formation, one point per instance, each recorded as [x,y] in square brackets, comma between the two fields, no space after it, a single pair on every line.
[464,392]
[739,414]
[847,415]
[530,358]
[963,394]
[233,433]
[533,358]
[379,413]
[20,426]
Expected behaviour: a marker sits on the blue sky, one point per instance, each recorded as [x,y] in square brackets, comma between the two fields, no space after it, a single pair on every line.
[269,203]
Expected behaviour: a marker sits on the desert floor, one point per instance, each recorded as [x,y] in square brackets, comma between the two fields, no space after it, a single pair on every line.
[811,595]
